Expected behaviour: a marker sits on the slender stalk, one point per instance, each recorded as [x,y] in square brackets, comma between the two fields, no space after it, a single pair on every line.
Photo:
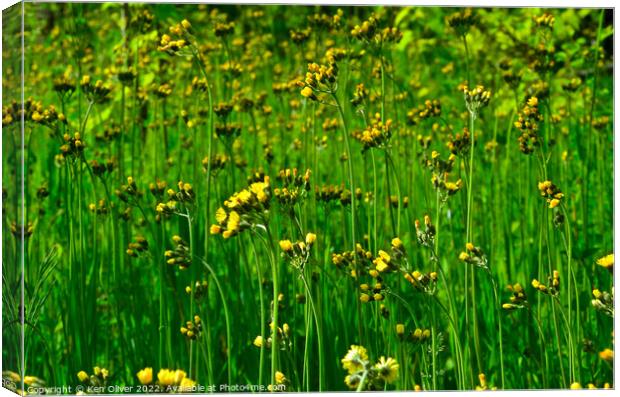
[353,198]
[226,318]
[318,330]
[263,317]
[468,238]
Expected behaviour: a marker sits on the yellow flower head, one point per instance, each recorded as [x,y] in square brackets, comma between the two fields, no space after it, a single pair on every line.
[280,378]
[387,368]
[82,376]
[355,359]
[352,381]
[215,229]
[186,385]
[145,376]
[286,245]
[165,377]
[233,221]
[607,261]
[310,238]
[607,355]
[220,216]
[396,242]
[307,92]
[380,265]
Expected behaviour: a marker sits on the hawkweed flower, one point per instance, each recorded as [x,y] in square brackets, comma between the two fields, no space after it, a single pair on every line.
[283,338]
[355,359]
[400,330]
[33,381]
[300,36]
[298,254]
[375,294]
[359,369]
[321,78]
[476,99]
[387,369]
[244,209]
[163,90]
[376,135]
[82,376]
[64,86]
[145,376]
[180,255]
[135,248]
[441,170]
[178,39]
[259,341]
[199,290]
[591,386]
[551,193]
[518,300]
[553,287]
[423,282]
[382,262]
[426,235]
[429,109]
[98,378]
[293,187]
[224,29]
[460,144]
[187,385]
[473,255]
[420,335]
[99,208]
[33,112]
[281,382]
[545,20]
[603,301]
[607,355]
[73,146]
[394,201]
[192,329]
[325,21]
[347,260]
[606,262]
[129,192]
[370,33]
[99,92]
[528,123]
[158,188]
[174,380]
[482,379]
[218,163]
[462,21]
[359,96]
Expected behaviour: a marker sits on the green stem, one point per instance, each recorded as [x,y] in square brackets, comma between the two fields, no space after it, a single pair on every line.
[226,318]
[318,331]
